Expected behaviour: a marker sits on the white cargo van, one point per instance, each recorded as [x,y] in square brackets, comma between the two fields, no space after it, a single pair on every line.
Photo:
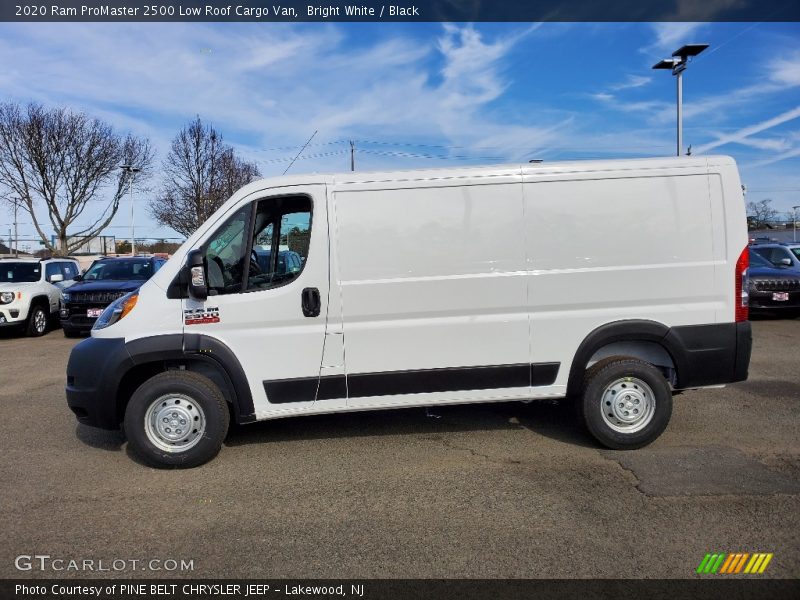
[614,283]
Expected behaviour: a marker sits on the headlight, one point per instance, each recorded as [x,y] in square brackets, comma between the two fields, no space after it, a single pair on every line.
[7,297]
[117,310]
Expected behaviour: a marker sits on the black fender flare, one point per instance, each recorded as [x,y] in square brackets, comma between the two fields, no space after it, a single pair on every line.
[629,330]
[201,348]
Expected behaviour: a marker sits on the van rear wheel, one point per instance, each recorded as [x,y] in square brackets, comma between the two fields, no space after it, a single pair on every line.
[177,419]
[626,402]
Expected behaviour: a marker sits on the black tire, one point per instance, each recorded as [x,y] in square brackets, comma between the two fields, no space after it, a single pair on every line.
[36,325]
[618,375]
[191,394]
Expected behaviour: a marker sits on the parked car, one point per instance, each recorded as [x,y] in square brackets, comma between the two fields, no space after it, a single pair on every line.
[105,281]
[772,287]
[30,290]
[780,254]
[289,262]
[433,287]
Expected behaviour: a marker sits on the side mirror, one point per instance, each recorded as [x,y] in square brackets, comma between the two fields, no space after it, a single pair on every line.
[786,261]
[56,278]
[197,275]
[78,277]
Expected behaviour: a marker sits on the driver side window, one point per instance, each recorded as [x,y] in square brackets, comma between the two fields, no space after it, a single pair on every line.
[269,252]
[281,234]
[225,254]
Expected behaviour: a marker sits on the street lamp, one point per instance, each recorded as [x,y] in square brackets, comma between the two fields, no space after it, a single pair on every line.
[677,64]
[794,223]
[131,170]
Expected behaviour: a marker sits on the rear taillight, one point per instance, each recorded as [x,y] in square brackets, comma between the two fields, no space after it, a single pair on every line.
[742,294]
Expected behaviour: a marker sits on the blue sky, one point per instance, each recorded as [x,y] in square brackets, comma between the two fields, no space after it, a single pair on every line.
[421,95]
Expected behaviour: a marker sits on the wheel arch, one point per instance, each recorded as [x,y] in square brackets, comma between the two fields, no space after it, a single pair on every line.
[206,356]
[639,338]
[38,299]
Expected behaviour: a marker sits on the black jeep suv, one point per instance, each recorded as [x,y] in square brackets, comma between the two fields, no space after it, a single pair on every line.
[105,281]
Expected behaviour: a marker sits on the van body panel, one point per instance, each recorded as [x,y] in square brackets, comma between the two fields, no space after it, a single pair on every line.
[433,278]
[649,258]
[474,284]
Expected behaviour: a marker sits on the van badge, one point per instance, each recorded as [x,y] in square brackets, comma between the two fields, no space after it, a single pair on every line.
[199,316]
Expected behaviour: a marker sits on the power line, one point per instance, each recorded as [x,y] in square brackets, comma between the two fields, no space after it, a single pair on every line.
[278,148]
[307,156]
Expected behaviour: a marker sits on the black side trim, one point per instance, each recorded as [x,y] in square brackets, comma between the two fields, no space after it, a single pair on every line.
[544,373]
[411,382]
[302,389]
[332,387]
[438,380]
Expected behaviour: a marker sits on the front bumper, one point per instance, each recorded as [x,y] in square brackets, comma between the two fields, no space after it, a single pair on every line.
[765,301]
[93,372]
[11,315]
[73,317]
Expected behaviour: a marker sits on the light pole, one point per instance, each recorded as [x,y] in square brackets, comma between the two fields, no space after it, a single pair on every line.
[794,223]
[131,171]
[677,64]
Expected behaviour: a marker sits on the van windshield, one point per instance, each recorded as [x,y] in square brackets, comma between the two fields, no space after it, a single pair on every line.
[20,272]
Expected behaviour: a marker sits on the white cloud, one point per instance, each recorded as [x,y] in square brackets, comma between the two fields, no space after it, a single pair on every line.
[632,81]
[744,133]
[772,144]
[785,70]
[670,36]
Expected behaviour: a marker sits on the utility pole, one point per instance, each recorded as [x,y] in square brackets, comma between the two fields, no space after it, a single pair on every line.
[352,155]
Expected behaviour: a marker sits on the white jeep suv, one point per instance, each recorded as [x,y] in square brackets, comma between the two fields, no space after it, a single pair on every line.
[30,291]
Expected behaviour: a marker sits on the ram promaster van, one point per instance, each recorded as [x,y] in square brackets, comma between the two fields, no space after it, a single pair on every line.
[613,283]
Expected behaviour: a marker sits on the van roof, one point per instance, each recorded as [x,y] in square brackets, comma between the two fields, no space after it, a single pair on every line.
[348,177]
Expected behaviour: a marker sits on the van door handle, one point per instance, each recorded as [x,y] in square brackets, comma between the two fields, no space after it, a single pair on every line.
[311,302]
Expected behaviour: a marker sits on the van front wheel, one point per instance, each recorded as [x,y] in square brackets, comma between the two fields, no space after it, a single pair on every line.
[626,403]
[177,419]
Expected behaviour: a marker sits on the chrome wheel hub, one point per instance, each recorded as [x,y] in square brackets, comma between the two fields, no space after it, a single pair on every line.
[174,423]
[628,405]
[39,321]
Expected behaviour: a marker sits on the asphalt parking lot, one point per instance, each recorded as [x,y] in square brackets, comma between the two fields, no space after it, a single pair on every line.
[510,490]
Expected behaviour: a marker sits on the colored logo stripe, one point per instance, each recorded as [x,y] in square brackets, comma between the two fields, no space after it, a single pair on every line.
[734,562]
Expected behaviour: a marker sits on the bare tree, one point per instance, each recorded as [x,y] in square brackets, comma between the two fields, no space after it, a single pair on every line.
[66,160]
[761,213]
[200,173]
